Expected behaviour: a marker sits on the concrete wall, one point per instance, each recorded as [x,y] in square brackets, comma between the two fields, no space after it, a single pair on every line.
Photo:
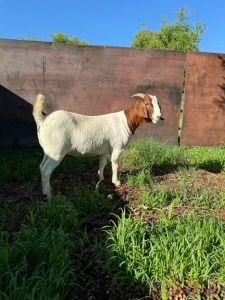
[97,80]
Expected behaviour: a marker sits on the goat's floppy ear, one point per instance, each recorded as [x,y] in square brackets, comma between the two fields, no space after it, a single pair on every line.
[141,108]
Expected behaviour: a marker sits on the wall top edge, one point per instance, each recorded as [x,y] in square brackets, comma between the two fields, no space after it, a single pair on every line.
[8,41]
[12,41]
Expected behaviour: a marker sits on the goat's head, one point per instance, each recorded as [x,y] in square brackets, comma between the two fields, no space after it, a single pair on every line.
[148,108]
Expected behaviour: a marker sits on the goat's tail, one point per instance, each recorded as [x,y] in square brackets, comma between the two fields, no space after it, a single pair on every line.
[39,106]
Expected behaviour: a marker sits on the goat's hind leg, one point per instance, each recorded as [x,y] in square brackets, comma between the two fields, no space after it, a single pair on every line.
[46,167]
[102,164]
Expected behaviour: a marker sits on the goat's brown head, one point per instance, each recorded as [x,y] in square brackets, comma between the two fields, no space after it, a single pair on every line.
[148,107]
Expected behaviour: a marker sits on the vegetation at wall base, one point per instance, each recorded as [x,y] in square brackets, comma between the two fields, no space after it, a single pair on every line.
[158,236]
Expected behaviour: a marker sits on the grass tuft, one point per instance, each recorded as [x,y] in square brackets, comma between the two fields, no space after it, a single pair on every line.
[170,251]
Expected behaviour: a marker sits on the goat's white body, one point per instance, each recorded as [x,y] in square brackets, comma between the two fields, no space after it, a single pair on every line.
[62,133]
[65,132]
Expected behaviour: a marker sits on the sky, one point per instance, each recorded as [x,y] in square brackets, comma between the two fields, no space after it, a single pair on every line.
[107,22]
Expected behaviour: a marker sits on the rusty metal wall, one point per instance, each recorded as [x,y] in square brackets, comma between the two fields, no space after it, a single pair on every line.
[97,80]
[204,105]
[85,79]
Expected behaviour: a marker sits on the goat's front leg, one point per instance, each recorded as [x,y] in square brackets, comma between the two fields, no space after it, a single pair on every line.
[102,164]
[115,163]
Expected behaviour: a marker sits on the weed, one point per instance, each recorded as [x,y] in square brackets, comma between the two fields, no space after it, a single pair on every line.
[170,251]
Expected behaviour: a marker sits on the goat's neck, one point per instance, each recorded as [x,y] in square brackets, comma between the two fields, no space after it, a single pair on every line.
[133,120]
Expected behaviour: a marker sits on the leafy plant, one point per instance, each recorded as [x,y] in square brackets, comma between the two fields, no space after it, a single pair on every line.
[60,37]
[180,35]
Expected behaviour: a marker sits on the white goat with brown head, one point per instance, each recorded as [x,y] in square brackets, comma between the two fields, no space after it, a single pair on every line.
[62,133]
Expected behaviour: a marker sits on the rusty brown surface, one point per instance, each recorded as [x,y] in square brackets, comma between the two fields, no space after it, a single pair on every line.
[94,80]
[204,109]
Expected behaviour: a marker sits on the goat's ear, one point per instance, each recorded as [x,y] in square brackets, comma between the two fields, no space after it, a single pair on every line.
[147,100]
[141,109]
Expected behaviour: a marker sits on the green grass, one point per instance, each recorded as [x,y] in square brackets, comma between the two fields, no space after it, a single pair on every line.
[170,252]
[153,155]
[167,235]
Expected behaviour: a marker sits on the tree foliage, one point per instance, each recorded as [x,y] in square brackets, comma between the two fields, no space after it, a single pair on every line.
[180,35]
[60,37]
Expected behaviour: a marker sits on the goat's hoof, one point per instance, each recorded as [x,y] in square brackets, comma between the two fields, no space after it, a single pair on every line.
[117,183]
[47,196]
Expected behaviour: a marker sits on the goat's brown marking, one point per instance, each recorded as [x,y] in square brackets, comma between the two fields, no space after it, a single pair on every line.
[140,113]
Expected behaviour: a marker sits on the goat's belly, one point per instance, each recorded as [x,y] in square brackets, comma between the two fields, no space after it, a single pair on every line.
[82,151]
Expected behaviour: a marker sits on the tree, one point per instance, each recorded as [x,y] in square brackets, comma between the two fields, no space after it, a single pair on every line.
[60,37]
[179,35]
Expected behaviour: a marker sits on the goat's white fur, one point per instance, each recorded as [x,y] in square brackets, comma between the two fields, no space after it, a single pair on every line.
[62,133]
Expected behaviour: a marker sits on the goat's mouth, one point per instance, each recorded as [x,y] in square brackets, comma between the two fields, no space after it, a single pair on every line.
[156,120]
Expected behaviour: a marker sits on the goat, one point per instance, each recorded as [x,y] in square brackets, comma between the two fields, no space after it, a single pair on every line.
[62,133]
